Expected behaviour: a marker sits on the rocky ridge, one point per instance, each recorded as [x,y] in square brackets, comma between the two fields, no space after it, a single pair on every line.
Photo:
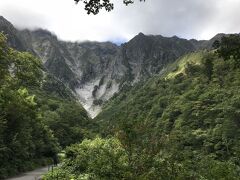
[96,70]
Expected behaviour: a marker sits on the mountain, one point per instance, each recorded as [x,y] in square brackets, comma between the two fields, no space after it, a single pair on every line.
[95,71]
[175,115]
[207,44]
[38,113]
[185,121]
[13,34]
[148,55]
[91,69]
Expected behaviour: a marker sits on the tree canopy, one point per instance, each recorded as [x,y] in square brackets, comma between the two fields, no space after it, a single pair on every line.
[94,6]
[94,159]
[181,125]
[38,115]
[229,47]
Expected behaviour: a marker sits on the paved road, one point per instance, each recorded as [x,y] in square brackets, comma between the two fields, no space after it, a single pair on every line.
[31,175]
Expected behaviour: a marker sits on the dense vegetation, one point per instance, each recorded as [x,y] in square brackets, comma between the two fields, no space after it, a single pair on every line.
[94,159]
[183,125]
[38,115]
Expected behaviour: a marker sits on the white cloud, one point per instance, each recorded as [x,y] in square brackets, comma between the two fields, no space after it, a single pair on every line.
[199,19]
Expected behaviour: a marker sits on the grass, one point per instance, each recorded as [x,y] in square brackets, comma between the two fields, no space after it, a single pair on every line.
[179,65]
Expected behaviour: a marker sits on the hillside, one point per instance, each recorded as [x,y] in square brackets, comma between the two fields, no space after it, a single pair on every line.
[95,71]
[186,121]
[39,115]
[182,124]
[170,106]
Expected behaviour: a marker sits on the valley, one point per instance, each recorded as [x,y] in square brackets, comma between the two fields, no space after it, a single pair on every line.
[95,71]
[151,108]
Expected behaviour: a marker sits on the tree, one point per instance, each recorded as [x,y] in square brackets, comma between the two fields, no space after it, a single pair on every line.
[230,47]
[208,64]
[93,6]
[24,140]
[94,159]
[68,121]
[216,44]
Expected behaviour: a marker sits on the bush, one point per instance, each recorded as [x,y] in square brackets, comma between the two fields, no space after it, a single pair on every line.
[94,159]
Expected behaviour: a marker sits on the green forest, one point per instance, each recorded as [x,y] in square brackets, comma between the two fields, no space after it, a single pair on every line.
[38,114]
[183,124]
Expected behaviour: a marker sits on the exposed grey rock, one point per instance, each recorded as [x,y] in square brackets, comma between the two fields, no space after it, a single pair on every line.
[94,70]
[147,55]
[14,39]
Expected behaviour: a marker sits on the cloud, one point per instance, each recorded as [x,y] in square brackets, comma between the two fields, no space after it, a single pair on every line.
[200,19]
[24,18]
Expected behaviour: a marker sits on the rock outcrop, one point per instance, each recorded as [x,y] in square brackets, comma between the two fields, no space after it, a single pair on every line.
[96,70]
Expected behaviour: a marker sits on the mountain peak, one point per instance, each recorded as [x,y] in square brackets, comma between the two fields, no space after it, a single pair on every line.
[4,22]
[44,33]
[140,34]
[175,37]
[94,70]
[2,18]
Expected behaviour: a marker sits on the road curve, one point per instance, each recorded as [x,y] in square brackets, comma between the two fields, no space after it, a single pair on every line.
[31,175]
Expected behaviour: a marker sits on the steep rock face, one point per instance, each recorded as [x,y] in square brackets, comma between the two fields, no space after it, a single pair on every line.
[99,69]
[92,70]
[52,53]
[14,39]
[147,55]
[95,71]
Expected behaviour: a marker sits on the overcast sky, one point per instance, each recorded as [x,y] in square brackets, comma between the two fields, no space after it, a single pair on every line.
[200,19]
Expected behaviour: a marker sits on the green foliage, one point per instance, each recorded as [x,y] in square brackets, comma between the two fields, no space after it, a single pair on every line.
[216,44]
[181,126]
[34,116]
[24,138]
[208,65]
[26,69]
[94,159]
[229,47]
[56,88]
[205,168]
[68,121]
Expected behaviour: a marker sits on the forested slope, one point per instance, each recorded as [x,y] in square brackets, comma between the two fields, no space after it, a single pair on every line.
[180,124]
[97,70]
[183,124]
[38,114]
